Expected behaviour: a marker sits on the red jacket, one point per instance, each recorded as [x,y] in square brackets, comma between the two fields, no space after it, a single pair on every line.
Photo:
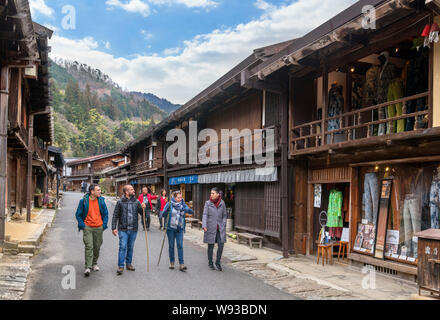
[150,197]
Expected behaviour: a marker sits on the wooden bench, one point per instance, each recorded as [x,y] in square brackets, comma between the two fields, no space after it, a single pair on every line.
[192,221]
[250,238]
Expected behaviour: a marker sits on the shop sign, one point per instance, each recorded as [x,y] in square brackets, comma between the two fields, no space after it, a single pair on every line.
[194,179]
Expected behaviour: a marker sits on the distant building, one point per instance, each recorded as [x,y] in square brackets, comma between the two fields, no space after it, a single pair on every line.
[92,169]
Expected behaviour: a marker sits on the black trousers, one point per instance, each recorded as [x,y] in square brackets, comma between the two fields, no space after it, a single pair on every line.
[147,219]
[219,250]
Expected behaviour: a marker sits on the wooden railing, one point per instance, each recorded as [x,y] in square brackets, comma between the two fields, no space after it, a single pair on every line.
[145,166]
[356,125]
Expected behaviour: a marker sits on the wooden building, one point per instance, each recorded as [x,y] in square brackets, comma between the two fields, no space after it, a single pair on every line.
[357,118]
[26,125]
[253,199]
[92,169]
[363,130]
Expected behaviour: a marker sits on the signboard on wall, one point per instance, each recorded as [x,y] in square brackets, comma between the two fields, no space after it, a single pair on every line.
[382,218]
[194,179]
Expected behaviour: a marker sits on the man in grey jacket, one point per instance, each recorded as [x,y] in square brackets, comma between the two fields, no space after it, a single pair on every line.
[125,224]
[214,225]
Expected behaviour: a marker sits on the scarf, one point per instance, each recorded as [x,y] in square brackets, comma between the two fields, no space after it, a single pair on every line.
[177,215]
[216,202]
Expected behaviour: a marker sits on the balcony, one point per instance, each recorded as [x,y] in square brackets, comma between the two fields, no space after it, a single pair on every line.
[359,127]
[145,166]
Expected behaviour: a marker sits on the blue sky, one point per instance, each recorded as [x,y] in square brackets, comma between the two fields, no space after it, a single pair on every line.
[175,48]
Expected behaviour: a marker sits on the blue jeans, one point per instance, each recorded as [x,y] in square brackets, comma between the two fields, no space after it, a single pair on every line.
[175,236]
[370,199]
[126,246]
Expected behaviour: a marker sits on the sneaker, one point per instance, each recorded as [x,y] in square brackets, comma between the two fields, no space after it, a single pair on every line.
[211,266]
[95,268]
[120,271]
[171,266]
[219,267]
[131,268]
[183,268]
[87,272]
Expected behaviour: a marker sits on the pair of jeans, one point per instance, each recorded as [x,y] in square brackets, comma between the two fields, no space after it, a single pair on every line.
[92,238]
[434,202]
[126,247]
[370,199]
[412,223]
[413,106]
[219,250]
[175,236]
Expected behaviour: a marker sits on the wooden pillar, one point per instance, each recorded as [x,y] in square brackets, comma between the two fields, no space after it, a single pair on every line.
[324,100]
[4,97]
[17,186]
[435,80]
[165,167]
[29,168]
[285,175]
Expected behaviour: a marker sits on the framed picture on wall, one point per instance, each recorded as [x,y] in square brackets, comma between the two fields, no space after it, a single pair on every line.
[382,218]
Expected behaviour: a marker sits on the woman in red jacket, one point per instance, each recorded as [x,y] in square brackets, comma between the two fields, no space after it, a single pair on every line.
[145,199]
[161,203]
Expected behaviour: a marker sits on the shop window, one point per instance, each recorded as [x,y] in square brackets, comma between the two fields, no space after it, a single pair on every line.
[413,206]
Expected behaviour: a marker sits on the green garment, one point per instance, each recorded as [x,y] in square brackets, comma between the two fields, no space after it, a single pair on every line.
[395,92]
[92,238]
[334,212]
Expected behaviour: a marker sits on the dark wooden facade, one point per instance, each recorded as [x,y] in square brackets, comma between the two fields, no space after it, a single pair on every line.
[26,129]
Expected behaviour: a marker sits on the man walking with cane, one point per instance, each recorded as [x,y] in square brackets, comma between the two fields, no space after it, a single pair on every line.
[145,199]
[125,224]
[92,217]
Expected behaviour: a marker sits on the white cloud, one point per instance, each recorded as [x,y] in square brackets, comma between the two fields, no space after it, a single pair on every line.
[203,59]
[147,35]
[172,51]
[137,6]
[40,7]
[188,3]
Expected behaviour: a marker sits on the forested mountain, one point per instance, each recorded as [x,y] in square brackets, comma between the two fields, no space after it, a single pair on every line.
[95,115]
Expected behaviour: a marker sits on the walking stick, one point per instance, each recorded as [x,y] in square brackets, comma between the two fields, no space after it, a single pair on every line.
[164,233]
[146,239]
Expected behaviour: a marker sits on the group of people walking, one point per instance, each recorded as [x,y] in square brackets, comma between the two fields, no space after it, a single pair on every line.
[92,216]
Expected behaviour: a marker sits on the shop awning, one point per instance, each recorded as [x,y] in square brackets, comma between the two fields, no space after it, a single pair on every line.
[78,179]
[254,175]
[121,179]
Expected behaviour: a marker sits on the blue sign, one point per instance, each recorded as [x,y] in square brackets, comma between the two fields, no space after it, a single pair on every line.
[134,181]
[184,180]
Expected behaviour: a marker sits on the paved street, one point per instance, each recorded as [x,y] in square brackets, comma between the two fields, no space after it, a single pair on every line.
[63,246]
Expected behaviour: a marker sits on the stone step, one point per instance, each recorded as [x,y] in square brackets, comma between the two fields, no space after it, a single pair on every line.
[27,249]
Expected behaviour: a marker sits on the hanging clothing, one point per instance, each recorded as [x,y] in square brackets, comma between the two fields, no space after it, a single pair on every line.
[334,213]
[357,94]
[395,92]
[335,232]
[370,87]
[335,108]
[370,199]
[388,73]
[434,202]
[417,82]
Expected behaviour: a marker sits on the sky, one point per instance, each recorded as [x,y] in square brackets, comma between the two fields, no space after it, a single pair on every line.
[174,48]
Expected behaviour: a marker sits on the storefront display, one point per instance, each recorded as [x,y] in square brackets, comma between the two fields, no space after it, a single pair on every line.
[412,206]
